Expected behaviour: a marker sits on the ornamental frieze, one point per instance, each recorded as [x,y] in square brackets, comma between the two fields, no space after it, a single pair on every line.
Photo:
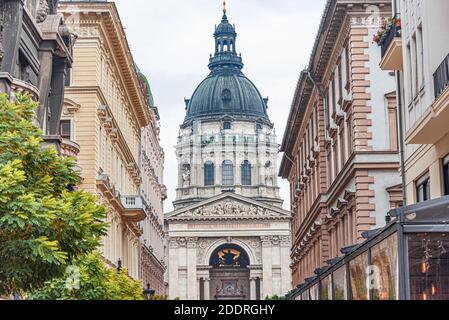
[227,208]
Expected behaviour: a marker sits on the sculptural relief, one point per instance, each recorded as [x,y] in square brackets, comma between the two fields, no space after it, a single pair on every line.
[228,208]
[42,11]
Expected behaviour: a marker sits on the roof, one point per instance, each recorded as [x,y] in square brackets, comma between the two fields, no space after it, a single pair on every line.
[226,91]
[276,213]
[227,94]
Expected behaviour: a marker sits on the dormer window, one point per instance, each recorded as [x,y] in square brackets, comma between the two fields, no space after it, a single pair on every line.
[227,125]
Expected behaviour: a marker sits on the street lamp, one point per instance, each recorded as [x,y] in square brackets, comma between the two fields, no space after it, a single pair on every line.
[119,265]
[148,293]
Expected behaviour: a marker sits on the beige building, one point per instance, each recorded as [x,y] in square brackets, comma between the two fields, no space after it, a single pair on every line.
[154,192]
[341,146]
[418,50]
[104,113]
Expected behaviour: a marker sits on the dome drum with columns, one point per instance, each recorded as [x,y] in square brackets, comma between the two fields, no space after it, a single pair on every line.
[228,237]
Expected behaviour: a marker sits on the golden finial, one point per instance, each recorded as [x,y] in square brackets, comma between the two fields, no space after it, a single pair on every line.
[225,7]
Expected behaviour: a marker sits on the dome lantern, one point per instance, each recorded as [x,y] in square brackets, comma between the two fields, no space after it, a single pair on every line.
[226,91]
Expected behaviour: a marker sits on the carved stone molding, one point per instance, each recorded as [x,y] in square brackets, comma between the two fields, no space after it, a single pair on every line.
[269,241]
[173,243]
[227,208]
[266,241]
[192,242]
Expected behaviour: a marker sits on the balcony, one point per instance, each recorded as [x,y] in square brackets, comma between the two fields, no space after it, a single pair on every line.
[433,124]
[134,208]
[69,148]
[391,47]
[441,78]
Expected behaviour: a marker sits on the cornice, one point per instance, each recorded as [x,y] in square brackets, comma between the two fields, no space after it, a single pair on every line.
[106,16]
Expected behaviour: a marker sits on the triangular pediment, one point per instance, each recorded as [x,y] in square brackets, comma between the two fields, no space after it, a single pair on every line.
[229,206]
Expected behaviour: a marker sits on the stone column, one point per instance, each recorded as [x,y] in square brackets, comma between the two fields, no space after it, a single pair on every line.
[286,284]
[191,269]
[56,99]
[267,266]
[206,289]
[253,289]
[45,74]
[198,288]
[173,281]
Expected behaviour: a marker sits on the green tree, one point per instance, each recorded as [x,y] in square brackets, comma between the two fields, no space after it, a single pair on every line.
[90,279]
[276,298]
[44,227]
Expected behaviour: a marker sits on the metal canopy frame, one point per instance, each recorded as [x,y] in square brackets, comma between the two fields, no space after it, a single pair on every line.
[403,225]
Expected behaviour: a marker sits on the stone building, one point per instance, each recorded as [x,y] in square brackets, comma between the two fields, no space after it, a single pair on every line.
[341,146]
[228,237]
[107,113]
[416,48]
[35,56]
[154,192]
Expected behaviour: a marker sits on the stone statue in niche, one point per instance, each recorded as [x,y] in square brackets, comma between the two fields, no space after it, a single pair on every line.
[269,180]
[186,174]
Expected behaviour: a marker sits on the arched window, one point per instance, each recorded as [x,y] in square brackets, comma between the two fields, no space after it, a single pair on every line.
[227,173]
[209,173]
[246,173]
[229,256]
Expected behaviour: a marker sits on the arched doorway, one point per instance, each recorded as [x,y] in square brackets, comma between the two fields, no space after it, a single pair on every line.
[229,274]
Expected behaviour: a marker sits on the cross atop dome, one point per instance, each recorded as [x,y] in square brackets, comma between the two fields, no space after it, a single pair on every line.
[225,7]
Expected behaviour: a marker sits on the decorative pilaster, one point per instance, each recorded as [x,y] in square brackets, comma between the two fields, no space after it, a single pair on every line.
[173,265]
[267,266]
[253,293]
[192,293]
[206,289]
[285,263]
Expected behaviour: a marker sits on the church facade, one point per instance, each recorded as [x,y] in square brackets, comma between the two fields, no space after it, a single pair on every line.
[228,237]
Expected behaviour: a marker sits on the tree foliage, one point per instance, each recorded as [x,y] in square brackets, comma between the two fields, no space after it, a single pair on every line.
[276,298]
[91,280]
[43,226]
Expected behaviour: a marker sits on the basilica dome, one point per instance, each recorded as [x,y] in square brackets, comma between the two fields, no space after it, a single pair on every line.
[226,91]
[227,94]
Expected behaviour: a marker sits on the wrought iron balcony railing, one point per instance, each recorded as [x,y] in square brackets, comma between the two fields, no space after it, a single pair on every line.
[441,77]
[393,31]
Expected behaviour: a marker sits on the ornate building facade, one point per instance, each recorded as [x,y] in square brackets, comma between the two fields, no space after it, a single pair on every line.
[109,113]
[154,192]
[341,143]
[35,57]
[228,237]
[416,49]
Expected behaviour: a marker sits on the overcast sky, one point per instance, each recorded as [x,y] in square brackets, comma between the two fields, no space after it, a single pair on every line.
[171,41]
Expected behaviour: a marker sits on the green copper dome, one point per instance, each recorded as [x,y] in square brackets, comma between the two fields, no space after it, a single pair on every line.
[226,91]
[145,86]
